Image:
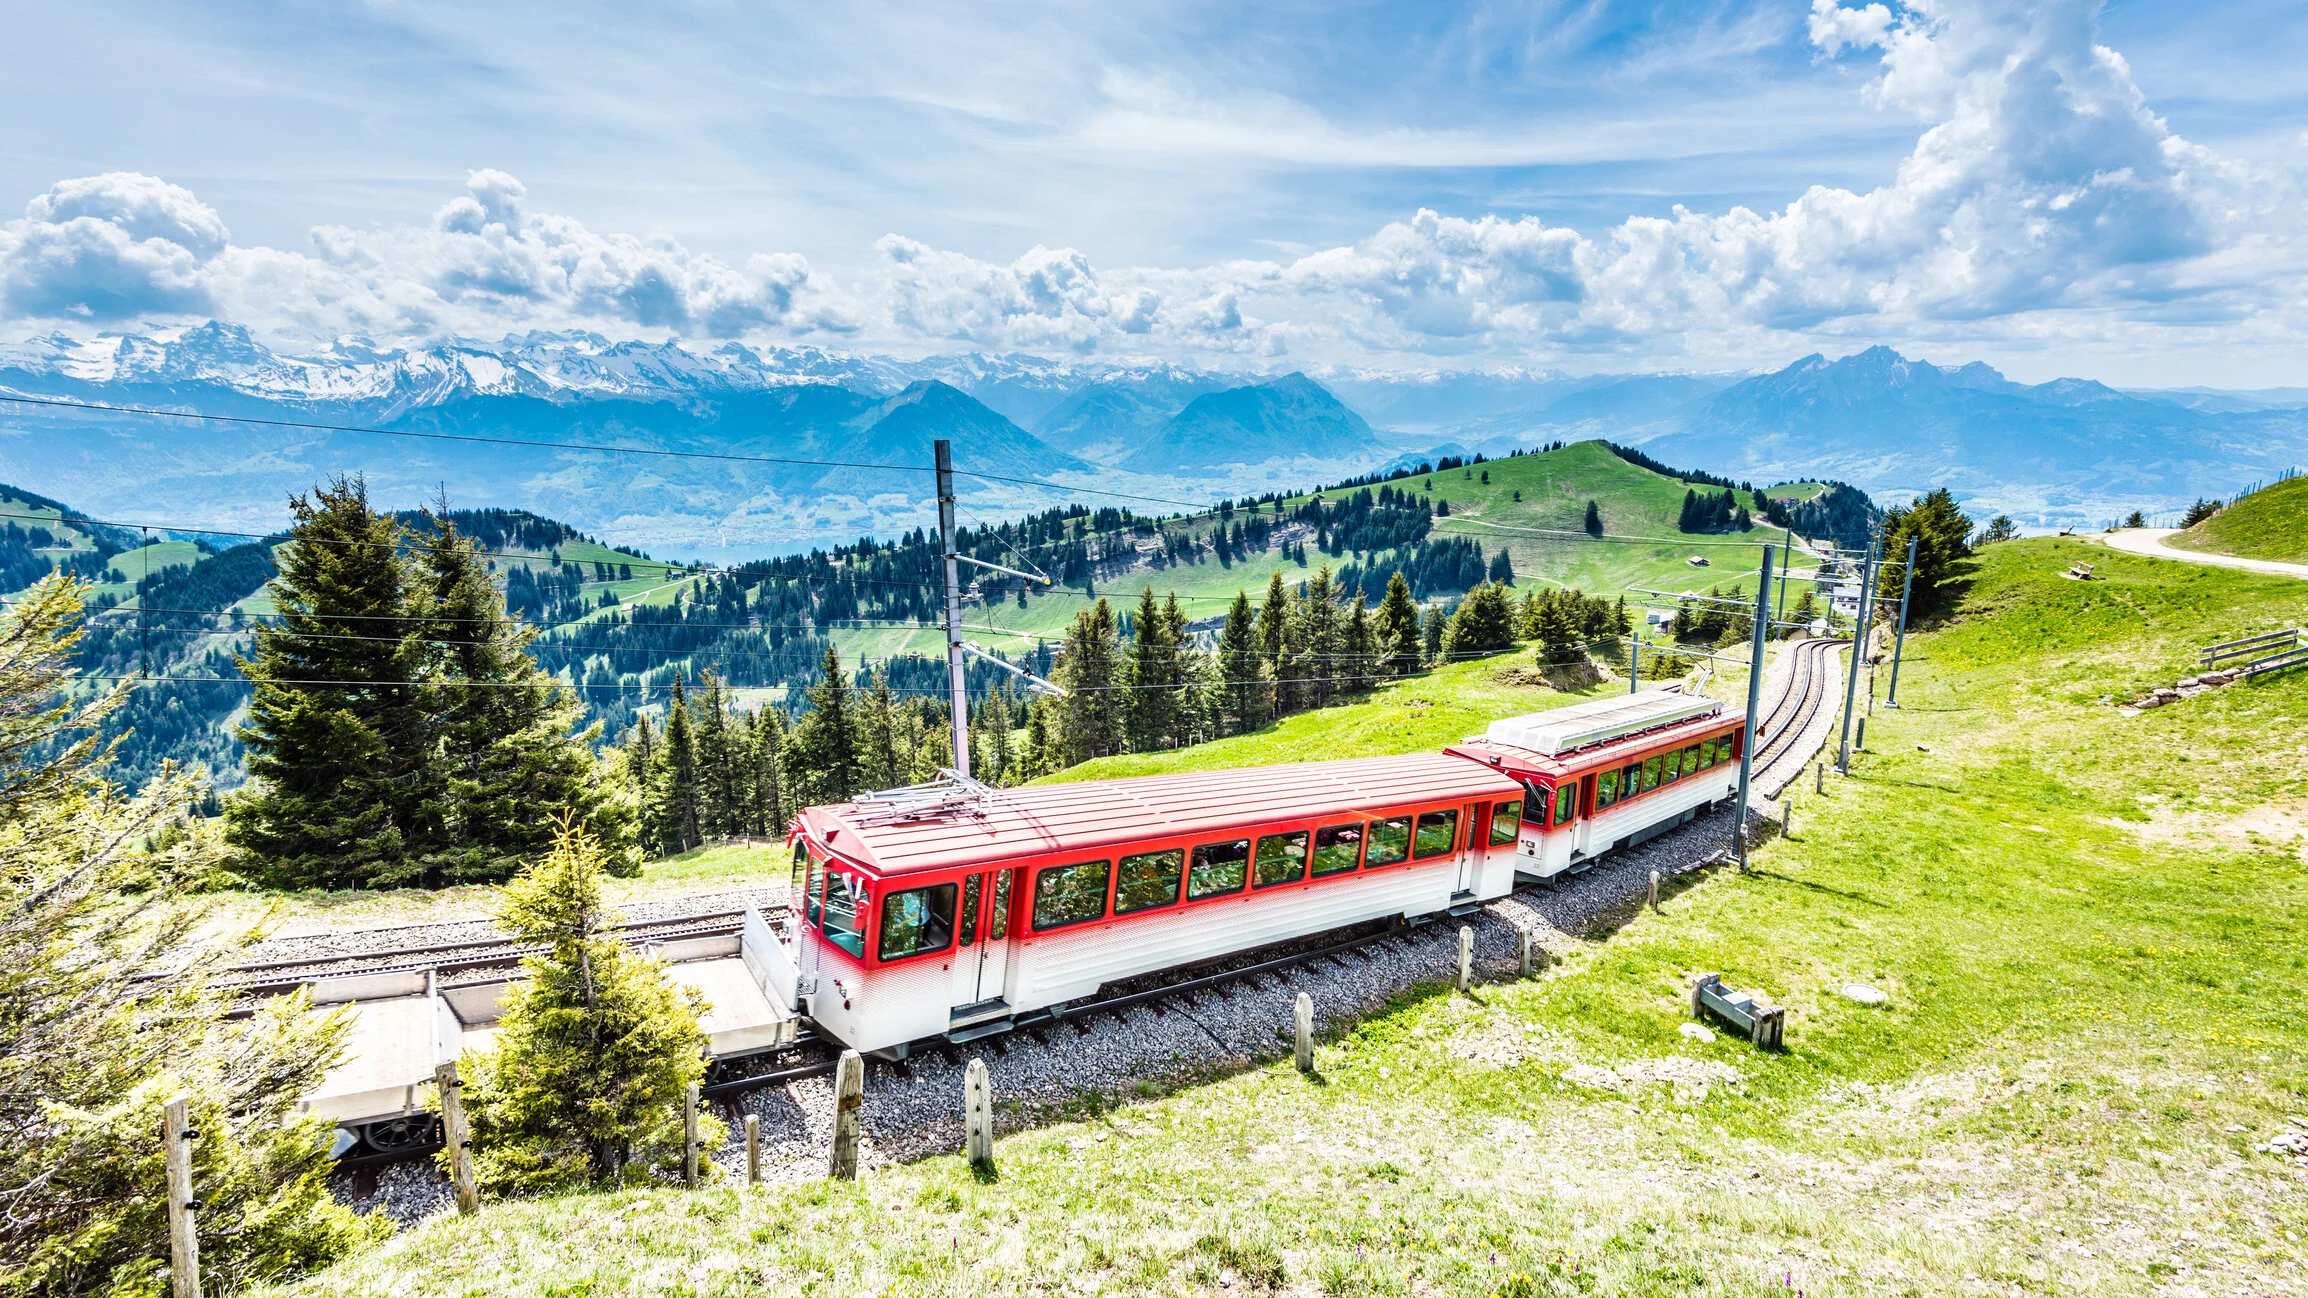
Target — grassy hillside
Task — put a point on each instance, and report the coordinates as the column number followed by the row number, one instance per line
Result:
column 2089, row 927
column 2271, row 523
column 1541, row 531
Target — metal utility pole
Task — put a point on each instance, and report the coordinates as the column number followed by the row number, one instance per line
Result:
column 1754, row 703
column 1906, row 587
column 1634, row 663
column 957, row 680
column 1786, row 561
column 1858, row 651
column 957, row 687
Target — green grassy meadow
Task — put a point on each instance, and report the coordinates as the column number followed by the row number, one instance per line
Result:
column 1541, row 531
column 2089, row 927
column 2271, row 523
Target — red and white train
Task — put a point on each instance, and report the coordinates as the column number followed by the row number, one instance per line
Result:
column 945, row 919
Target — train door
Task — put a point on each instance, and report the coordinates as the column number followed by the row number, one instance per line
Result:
column 994, row 951
column 1476, row 818
column 1583, row 820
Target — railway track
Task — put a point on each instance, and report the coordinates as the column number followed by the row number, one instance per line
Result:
column 274, row 977
column 1807, row 688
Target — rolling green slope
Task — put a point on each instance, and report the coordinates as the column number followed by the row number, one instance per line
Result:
column 1541, row 532
column 2271, row 523
column 2087, row 927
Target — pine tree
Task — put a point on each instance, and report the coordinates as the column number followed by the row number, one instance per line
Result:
column 584, row 1082
column 822, row 756
column 1484, row 623
column 1693, row 516
column 879, row 764
column 338, row 772
column 678, row 828
column 1398, row 631
column 1242, row 670
column 720, row 792
column 1316, row 658
column 766, row 758
column 1432, row 635
column 96, row 892
column 1089, row 717
column 1943, row 535
column 508, row 750
column 1151, row 701
column 1359, row 640
column 1557, row 634
column 1594, row 523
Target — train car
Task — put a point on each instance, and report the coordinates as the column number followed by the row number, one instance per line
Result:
column 1610, row 773
column 964, row 915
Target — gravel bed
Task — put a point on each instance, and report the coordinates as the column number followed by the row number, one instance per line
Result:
column 364, row 945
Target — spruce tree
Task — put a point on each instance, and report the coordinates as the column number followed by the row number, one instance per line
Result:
column 822, row 756
column 721, row 792
column 1090, row 715
column 1151, row 703
column 1484, row 623
column 772, row 807
column 678, row 827
column 338, row 760
column 880, row 765
column 1398, row 632
column 583, row 1084
column 509, row 753
column 1242, row 670
column 1432, row 636
column 1594, row 521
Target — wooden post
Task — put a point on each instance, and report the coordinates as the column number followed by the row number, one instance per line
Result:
column 458, row 1137
column 1304, row 1015
column 1819, row 776
column 1654, row 891
column 1466, row 957
column 848, row 1102
column 689, row 1150
column 1787, row 818
column 753, row 1149
column 1770, row 1026
column 978, row 1102
column 1698, row 981
column 183, row 1227
column 1526, row 946
column 1861, row 744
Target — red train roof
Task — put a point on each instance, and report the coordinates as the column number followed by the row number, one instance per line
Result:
column 1094, row 816
column 1526, row 763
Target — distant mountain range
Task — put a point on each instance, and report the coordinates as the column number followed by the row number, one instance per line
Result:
column 2070, row 451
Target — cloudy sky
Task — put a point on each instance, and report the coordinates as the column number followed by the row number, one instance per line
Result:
column 2061, row 188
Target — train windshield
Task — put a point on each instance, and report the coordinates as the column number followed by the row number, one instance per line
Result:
column 842, row 927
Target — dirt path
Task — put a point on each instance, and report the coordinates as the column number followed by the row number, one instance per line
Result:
column 2150, row 541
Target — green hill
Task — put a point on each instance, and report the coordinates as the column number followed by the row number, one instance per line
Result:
column 2087, row 924
column 2271, row 523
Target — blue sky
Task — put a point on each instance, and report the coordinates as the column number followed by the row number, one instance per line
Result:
column 2058, row 189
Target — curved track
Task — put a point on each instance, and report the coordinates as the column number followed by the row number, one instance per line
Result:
column 452, row 958
column 1805, row 692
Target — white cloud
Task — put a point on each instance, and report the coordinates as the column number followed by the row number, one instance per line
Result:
column 2042, row 199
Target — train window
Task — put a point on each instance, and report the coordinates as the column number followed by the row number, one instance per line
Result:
column 1281, row 859
column 814, row 886
column 1630, row 780
column 841, row 917
column 1069, row 894
column 1337, row 849
column 804, row 895
column 917, row 921
column 1438, row 832
column 998, row 926
column 1566, row 802
column 1506, row 821
column 1389, row 842
column 1147, row 880
column 1219, row 868
column 1707, row 752
column 1606, row 789
column 970, row 890
column 1691, row 760
column 1650, row 774
column 1670, row 767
